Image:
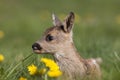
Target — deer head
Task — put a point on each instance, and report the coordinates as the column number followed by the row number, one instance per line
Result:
column 56, row 39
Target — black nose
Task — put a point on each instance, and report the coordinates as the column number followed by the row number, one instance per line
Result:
column 36, row 46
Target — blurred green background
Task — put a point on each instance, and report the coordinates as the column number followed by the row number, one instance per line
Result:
column 96, row 30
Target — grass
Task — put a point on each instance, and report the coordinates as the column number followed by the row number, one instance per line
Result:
column 96, row 33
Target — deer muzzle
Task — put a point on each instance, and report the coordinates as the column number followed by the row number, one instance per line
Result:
column 36, row 48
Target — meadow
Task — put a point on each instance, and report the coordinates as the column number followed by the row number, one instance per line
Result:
column 96, row 33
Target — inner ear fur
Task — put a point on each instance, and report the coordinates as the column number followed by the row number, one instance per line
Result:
column 68, row 22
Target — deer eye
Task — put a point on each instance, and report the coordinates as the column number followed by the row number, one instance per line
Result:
column 49, row 37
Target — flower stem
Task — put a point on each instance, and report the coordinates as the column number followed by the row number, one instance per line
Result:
column 46, row 77
column 12, row 70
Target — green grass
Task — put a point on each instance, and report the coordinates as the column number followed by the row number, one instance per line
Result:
column 96, row 34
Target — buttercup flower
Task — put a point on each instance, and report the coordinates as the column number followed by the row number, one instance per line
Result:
column 54, row 70
column 32, row 69
column 1, row 57
column 53, row 73
column 22, row 78
column 1, row 34
column 50, row 64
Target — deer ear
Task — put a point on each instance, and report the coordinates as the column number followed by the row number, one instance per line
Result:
column 68, row 22
column 56, row 21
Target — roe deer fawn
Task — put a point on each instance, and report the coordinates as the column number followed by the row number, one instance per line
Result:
column 57, row 41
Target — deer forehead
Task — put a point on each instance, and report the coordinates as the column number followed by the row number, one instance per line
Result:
column 51, row 30
column 56, row 31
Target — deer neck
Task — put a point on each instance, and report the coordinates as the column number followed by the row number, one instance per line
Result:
column 70, row 61
column 69, row 52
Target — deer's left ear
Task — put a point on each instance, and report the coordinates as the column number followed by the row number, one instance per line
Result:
column 56, row 20
column 69, row 22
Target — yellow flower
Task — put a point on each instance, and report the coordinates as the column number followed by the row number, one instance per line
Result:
column 1, row 57
column 22, row 78
column 54, row 70
column 50, row 64
column 53, row 73
column 1, row 34
column 32, row 69
column 42, row 71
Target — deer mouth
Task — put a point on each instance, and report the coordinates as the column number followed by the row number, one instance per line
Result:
column 37, row 51
column 37, row 48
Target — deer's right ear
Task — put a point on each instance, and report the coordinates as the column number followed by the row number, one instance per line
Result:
column 68, row 23
column 56, row 21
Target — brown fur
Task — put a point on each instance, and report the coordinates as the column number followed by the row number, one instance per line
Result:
column 65, row 54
